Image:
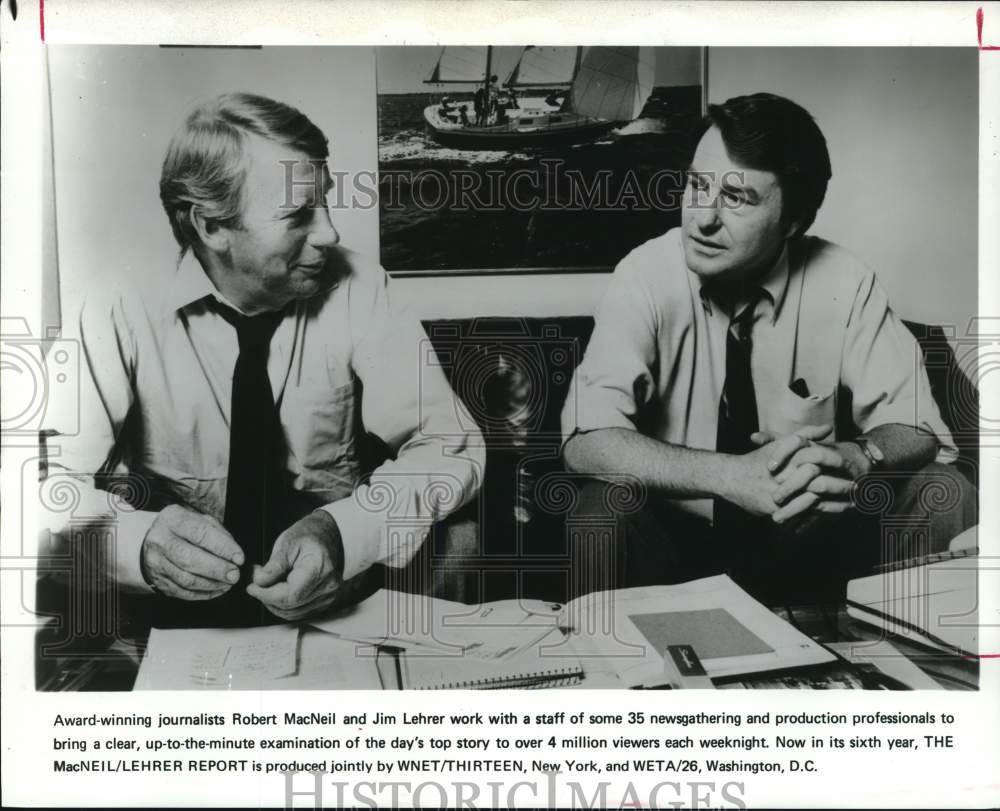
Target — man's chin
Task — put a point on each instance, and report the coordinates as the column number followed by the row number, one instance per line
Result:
column 705, row 267
column 312, row 284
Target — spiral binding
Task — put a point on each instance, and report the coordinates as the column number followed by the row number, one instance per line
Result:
column 563, row 677
column 924, row 560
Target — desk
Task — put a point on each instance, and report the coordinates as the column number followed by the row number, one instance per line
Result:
column 110, row 664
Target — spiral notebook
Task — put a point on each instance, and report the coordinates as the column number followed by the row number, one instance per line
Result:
column 415, row 670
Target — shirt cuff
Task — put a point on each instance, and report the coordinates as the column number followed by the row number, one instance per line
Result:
column 132, row 527
column 361, row 540
column 905, row 413
column 613, row 419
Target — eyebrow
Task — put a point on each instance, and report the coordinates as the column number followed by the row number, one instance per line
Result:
column 752, row 195
column 285, row 212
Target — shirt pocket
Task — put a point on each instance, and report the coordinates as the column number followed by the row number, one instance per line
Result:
column 791, row 412
column 323, row 428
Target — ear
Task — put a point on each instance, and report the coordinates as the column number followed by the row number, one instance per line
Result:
column 213, row 236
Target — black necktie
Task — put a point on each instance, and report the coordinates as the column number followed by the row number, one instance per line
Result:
column 738, row 419
column 256, row 488
column 738, row 404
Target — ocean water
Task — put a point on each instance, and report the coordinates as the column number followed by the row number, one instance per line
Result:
column 580, row 206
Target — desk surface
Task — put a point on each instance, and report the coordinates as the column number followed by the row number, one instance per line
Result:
column 106, row 664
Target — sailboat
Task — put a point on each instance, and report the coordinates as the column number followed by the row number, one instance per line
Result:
column 592, row 90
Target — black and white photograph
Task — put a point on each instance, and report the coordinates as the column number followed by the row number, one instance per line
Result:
column 474, row 366
column 748, row 401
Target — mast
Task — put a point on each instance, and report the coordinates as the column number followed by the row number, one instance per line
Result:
column 489, row 67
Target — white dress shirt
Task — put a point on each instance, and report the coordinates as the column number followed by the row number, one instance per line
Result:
column 656, row 361
column 155, row 392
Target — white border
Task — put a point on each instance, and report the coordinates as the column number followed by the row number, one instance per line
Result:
column 970, row 779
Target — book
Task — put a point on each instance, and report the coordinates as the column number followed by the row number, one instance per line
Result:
column 624, row 637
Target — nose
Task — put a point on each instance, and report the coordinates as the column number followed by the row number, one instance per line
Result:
column 705, row 212
column 323, row 234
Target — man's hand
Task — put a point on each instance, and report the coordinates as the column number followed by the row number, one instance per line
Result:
column 752, row 485
column 305, row 569
column 188, row 555
column 814, row 477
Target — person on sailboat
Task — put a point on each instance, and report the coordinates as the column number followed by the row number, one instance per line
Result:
column 480, row 102
column 745, row 382
column 493, row 99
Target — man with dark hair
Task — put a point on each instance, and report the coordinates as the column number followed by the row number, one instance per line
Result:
column 234, row 394
column 743, row 377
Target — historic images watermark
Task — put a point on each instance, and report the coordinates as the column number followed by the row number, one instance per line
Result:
column 550, row 792
column 550, row 186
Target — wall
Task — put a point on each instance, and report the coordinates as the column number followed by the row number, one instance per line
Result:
column 902, row 128
column 901, row 125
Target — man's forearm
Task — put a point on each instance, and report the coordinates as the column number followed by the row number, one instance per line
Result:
column 678, row 471
column 903, row 446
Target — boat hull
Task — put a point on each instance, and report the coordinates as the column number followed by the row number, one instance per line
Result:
column 549, row 129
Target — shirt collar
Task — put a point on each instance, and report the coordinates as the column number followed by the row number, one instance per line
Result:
column 774, row 283
column 191, row 284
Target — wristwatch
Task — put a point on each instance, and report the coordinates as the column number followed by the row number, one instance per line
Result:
column 871, row 451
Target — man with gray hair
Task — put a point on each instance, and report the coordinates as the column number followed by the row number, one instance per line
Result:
column 236, row 395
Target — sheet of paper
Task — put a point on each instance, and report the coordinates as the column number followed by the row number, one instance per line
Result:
column 492, row 631
column 326, row 662
column 218, row 659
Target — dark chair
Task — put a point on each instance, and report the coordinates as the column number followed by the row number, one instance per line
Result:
column 513, row 375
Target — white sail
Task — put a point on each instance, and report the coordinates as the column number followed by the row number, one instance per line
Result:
column 644, row 71
column 459, row 64
column 543, row 66
column 612, row 84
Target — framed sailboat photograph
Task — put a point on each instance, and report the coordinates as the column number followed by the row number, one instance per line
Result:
column 531, row 159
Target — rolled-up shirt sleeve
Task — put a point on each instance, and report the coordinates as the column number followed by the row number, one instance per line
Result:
column 439, row 456
column 884, row 369
column 83, row 432
column 614, row 381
